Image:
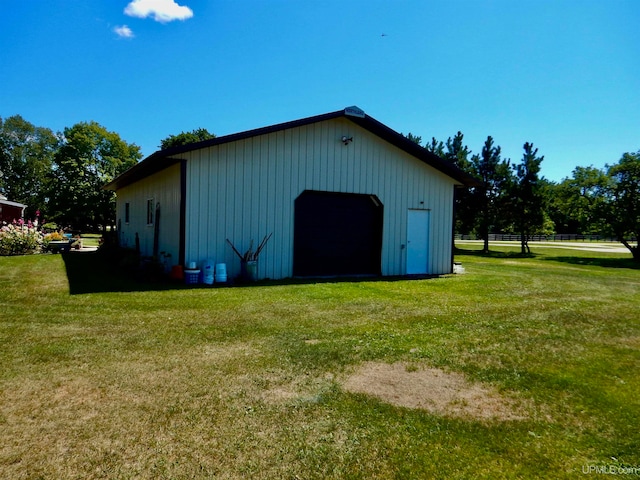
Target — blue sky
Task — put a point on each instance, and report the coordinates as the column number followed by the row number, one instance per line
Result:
column 563, row 74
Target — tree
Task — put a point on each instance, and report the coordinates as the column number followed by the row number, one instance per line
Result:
column 574, row 203
column 414, row 138
column 458, row 153
column 527, row 196
column 90, row 157
column 185, row 138
column 489, row 198
column 26, row 154
column 622, row 207
column 436, row 147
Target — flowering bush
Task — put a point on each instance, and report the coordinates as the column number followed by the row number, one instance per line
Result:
column 20, row 238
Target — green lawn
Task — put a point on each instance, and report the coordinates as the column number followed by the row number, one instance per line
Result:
column 105, row 377
column 91, row 239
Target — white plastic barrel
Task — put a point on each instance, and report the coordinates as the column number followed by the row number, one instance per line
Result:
column 221, row 272
column 208, row 272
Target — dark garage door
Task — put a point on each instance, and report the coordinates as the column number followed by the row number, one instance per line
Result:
column 337, row 234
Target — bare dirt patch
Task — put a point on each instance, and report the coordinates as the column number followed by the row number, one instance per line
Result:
column 432, row 389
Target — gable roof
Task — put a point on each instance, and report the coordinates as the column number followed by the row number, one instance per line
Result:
column 164, row 158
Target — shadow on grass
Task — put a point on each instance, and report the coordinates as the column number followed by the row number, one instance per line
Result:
column 493, row 254
column 93, row 272
column 96, row 272
column 608, row 262
column 598, row 262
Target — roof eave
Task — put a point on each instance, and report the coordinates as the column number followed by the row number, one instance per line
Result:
column 150, row 165
column 409, row 146
column 142, row 169
column 13, row 204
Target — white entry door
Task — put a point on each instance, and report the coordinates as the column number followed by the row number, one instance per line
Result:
column 417, row 242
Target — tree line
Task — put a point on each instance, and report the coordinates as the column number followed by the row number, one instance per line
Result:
column 59, row 176
column 513, row 198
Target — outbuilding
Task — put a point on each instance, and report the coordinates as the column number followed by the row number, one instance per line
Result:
column 341, row 194
column 10, row 211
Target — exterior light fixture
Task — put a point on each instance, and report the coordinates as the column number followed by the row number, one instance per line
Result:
column 346, row 140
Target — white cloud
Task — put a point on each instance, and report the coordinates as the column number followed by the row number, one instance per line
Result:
column 162, row 11
column 123, row 31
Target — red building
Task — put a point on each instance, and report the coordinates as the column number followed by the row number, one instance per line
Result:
column 10, row 211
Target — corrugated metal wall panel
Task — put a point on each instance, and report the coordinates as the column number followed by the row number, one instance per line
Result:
column 246, row 189
column 164, row 188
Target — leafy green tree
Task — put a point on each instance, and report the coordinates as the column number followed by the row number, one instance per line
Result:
column 26, row 154
column 622, row 208
column 90, row 157
column 574, row 204
column 185, row 138
column 559, row 207
column 527, row 196
column 490, row 199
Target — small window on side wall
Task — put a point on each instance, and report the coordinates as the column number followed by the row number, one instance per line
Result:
column 127, row 210
column 150, row 211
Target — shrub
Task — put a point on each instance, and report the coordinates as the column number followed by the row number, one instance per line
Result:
column 50, row 227
column 20, row 238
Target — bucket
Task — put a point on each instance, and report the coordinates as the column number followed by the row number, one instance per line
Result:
column 176, row 272
column 191, row 277
column 221, row 272
column 250, row 271
column 207, row 272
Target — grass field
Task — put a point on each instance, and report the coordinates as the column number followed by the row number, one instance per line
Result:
column 104, row 377
column 91, row 239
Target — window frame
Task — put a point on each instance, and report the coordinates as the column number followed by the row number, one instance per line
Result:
column 150, row 211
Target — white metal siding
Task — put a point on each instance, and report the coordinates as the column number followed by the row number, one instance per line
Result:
column 246, row 189
column 164, row 188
